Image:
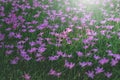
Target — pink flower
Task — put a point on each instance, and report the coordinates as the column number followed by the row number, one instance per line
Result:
column 113, row 62
column 41, row 49
column 109, row 27
column 68, row 9
column 37, row 15
column 8, row 52
column 116, row 56
column 42, row 26
column 83, row 64
column 99, row 70
column 26, row 76
column 108, row 74
column 2, row 36
column 53, row 58
column 68, row 30
column 90, row 74
column 96, row 57
column 14, row 26
column 54, row 73
column 85, row 47
column 103, row 61
column 75, row 18
column 59, row 53
column 15, row 60
column 32, row 43
column 69, row 65
column 79, row 53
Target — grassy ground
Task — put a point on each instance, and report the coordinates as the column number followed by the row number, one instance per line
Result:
column 39, row 70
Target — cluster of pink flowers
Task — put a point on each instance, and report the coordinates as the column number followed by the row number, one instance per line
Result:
column 28, row 35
